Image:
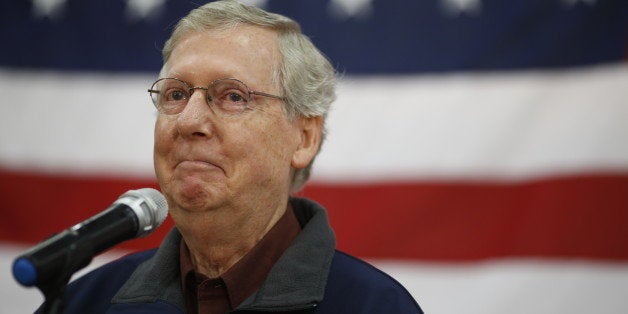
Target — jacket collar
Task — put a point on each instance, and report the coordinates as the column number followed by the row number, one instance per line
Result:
column 296, row 281
column 156, row 278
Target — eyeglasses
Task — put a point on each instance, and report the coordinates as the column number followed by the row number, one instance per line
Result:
column 227, row 96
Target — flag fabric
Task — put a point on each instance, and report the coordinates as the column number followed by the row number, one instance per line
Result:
column 477, row 152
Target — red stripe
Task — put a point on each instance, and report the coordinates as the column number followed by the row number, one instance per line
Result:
column 35, row 205
column 577, row 216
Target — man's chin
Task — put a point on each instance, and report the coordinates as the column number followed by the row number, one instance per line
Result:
column 195, row 199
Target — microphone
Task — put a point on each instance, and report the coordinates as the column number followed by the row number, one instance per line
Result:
column 135, row 213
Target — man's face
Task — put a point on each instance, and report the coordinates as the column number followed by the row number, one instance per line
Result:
column 204, row 161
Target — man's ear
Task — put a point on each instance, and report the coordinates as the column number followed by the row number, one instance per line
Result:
column 311, row 135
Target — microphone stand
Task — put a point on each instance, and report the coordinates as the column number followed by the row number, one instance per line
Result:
column 75, row 258
column 53, row 293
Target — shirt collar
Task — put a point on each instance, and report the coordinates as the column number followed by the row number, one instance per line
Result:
column 247, row 275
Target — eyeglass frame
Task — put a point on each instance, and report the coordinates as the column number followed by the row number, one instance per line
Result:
column 191, row 89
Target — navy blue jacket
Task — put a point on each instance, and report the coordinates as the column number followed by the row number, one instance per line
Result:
column 310, row 277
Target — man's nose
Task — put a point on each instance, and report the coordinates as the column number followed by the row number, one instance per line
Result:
column 196, row 118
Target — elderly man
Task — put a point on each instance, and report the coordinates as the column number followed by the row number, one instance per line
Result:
column 241, row 102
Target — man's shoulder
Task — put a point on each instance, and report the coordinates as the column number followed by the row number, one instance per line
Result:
column 95, row 289
column 353, row 266
column 121, row 267
column 362, row 288
column 348, row 269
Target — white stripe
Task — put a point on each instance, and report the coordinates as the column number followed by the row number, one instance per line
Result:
column 515, row 286
column 467, row 126
column 76, row 123
column 498, row 286
column 509, row 125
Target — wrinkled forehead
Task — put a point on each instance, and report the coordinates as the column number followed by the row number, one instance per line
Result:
column 236, row 50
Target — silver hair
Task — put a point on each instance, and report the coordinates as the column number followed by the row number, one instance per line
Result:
column 306, row 77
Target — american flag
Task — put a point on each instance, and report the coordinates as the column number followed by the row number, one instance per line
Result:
column 478, row 150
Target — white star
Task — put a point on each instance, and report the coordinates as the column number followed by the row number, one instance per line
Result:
column 458, row 7
column 143, row 9
column 48, row 8
column 344, row 9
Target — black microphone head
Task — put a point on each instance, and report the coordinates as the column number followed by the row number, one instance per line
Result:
column 149, row 205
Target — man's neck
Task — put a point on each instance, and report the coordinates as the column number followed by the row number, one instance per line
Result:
column 217, row 239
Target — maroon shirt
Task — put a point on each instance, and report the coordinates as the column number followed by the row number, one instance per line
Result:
column 225, row 293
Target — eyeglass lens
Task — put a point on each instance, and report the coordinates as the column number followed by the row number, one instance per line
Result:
column 226, row 96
